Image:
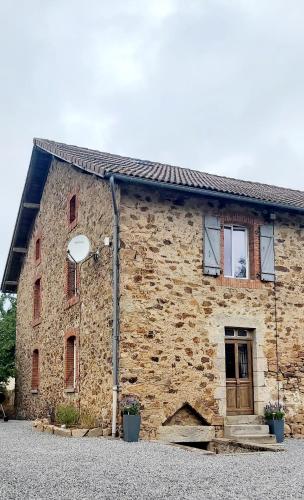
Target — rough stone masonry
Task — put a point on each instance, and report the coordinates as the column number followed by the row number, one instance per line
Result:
column 172, row 316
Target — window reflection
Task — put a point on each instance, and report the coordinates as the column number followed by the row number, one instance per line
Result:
column 235, row 251
column 243, row 360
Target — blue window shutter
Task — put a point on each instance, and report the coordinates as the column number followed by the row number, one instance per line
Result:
column 267, row 252
column 212, row 246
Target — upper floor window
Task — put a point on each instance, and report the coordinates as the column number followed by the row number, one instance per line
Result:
column 38, row 250
column 35, row 370
column 37, row 299
column 73, row 209
column 72, row 277
column 236, row 258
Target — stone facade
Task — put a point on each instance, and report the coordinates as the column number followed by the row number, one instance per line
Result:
column 58, row 316
column 172, row 316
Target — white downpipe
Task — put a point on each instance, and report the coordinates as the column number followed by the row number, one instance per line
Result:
column 114, row 410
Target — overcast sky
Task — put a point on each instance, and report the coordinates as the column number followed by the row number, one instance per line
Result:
column 214, row 85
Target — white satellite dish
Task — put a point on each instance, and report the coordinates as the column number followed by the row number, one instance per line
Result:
column 79, row 248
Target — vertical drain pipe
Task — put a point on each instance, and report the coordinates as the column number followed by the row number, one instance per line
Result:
column 115, row 330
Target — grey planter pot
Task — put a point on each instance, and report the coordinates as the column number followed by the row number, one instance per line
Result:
column 276, row 427
column 131, row 428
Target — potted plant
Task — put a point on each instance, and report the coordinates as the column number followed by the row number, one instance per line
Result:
column 274, row 417
column 131, row 418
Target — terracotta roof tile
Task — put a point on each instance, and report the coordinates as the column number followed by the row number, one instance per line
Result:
column 105, row 163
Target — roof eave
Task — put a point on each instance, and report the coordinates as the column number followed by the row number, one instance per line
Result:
column 28, row 208
column 204, row 192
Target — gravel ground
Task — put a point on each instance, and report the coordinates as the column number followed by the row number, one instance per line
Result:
column 39, row 465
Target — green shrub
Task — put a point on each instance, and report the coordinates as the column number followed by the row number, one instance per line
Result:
column 67, row 414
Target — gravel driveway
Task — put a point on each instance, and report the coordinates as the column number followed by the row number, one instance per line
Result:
column 39, row 465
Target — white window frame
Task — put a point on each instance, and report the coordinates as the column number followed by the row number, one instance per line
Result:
column 231, row 226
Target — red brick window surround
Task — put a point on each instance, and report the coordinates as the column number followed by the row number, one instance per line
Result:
column 251, row 225
column 37, row 302
column 35, row 370
column 71, row 361
column 72, row 282
column 73, row 204
column 38, row 250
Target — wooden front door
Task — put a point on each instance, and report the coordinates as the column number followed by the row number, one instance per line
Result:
column 239, row 386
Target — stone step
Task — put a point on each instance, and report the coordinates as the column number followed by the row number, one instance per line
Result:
column 261, row 438
column 244, row 419
column 245, row 429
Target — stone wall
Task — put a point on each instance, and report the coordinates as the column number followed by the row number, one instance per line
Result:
column 173, row 317
column 93, row 323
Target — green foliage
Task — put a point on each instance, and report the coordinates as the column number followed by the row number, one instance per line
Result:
column 130, row 406
column 274, row 411
column 7, row 336
column 67, row 414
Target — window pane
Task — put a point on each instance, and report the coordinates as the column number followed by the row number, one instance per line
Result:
column 243, row 360
column 229, row 332
column 230, row 360
column 240, row 252
column 227, row 251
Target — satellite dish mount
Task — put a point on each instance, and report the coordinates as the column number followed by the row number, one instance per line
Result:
column 79, row 249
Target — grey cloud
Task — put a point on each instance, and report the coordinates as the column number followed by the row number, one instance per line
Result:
column 215, row 85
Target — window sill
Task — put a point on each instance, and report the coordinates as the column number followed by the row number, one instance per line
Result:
column 34, row 391
column 239, row 282
column 36, row 321
column 70, row 390
column 72, row 301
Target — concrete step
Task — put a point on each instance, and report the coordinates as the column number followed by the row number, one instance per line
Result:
column 261, row 438
column 245, row 429
column 244, row 419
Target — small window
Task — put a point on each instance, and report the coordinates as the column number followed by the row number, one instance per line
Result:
column 38, row 249
column 37, row 299
column 70, row 363
column 229, row 332
column 236, row 261
column 72, row 209
column 236, row 332
column 72, row 272
column 35, row 370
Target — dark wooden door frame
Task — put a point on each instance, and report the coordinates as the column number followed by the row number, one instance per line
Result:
column 239, row 383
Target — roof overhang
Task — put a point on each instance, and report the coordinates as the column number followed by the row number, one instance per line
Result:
column 29, row 206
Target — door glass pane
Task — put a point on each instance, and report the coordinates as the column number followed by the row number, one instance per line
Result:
column 230, row 360
column 227, row 251
column 243, row 360
column 240, row 252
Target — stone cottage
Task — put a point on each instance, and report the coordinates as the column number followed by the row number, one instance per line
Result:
column 194, row 304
